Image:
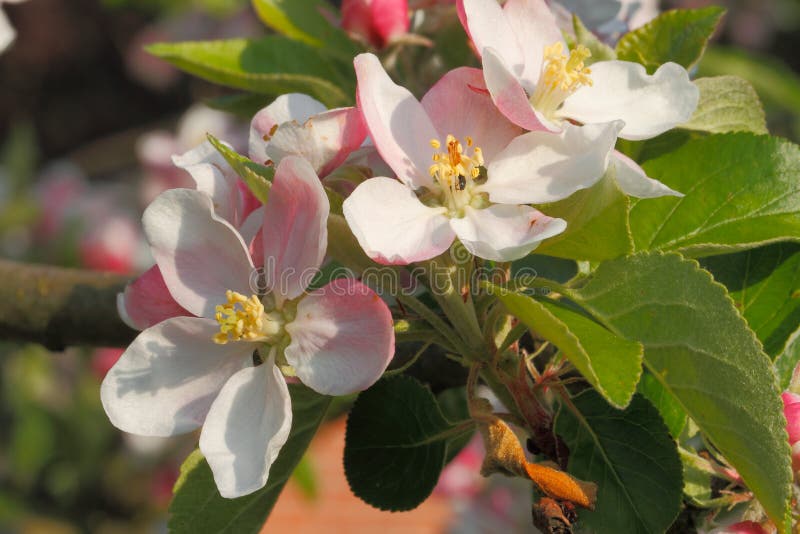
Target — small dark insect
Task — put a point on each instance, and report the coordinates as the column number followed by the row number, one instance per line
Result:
column 462, row 182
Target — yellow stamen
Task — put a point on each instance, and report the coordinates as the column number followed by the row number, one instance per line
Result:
column 455, row 169
column 561, row 76
column 241, row 318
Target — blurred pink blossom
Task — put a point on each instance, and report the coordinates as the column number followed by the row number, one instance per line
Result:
column 375, row 21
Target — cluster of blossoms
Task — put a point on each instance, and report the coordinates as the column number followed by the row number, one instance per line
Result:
column 227, row 313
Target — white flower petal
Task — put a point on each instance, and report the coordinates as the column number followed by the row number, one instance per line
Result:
column 215, row 177
column 648, row 104
column 7, row 31
column 542, row 167
column 200, row 255
column 504, row 232
column 397, row 123
column 245, row 429
column 393, row 226
column 535, row 28
column 489, row 27
column 633, row 181
column 289, row 107
column 166, row 380
column 342, row 338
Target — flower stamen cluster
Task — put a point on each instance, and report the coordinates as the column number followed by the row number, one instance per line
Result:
column 243, row 318
column 561, row 76
column 456, row 171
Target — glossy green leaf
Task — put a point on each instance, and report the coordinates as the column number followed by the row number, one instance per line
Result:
column 788, row 359
column 272, row 65
column 680, row 36
column 396, row 444
column 257, row 177
column 740, row 192
column 597, row 226
column 631, row 457
column 197, row 506
column 701, row 350
column 610, row 363
column 727, row 104
column 307, row 21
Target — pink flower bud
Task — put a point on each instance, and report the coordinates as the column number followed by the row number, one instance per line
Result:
column 791, row 409
column 376, row 21
column 743, row 527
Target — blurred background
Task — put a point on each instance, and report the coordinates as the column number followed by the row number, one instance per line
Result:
column 88, row 123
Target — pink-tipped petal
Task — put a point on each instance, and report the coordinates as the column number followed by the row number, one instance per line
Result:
column 633, row 181
column 540, row 167
column 459, row 104
column 393, row 226
column 295, row 232
column 166, row 380
column 489, row 27
column 397, row 123
column 289, row 107
column 342, row 338
column 509, row 95
column 200, row 255
column 535, row 27
column 246, row 428
column 325, row 140
column 146, row 301
column 504, row 232
column 648, row 104
column 389, row 19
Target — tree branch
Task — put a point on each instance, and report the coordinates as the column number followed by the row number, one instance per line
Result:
column 60, row 307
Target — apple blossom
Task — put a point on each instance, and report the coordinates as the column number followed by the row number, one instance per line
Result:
column 189, row 371
column 791, row 409
column 539, row 84
column 376, row 21
column 462, row 170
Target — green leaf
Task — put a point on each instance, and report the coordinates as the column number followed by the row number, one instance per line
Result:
column 396, row 443
column 701, row 350
column 727, row 104
column 598, row 224
column 668, row 406
column 271, row 65
column 741, row 192
column 197, row 506
column 307, row 21
column 632, row 458
column 788, row 359
column 583, row 36
column 257, row 177
column 680, row 36
column 611, row 364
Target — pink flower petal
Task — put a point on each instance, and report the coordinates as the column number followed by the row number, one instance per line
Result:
column 295, row 232
column 147, row 301
column 342, row 338
column 459, row 104
column 791, row 409
column 289, row 107
column 390, row 19
column 200, row 255
column 398, row 124
column 324, row 140
column 246, row 428
column 393, row 226
column 165, row 381
column 504, row 232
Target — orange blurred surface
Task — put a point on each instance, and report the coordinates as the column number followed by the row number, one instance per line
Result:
column 337, row 510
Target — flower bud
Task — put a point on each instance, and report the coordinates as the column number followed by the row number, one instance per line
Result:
column 791, row 409
column 375, row 21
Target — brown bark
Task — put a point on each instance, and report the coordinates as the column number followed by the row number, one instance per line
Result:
column 60, row 307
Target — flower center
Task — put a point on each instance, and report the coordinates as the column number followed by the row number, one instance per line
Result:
column 244, row 319
column 561, row 76
column 455, row 171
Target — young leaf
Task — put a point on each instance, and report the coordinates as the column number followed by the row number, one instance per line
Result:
column 633, row 459
column 611, row 364
column 271, row 65
column 257, row 177
column 598, row 224
column 699, row 347
column 306, row 21
column 197, row 507
column 396, row 443
column 727, row 104
column 680, row 36
column 765, row 285
column 740, row 192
